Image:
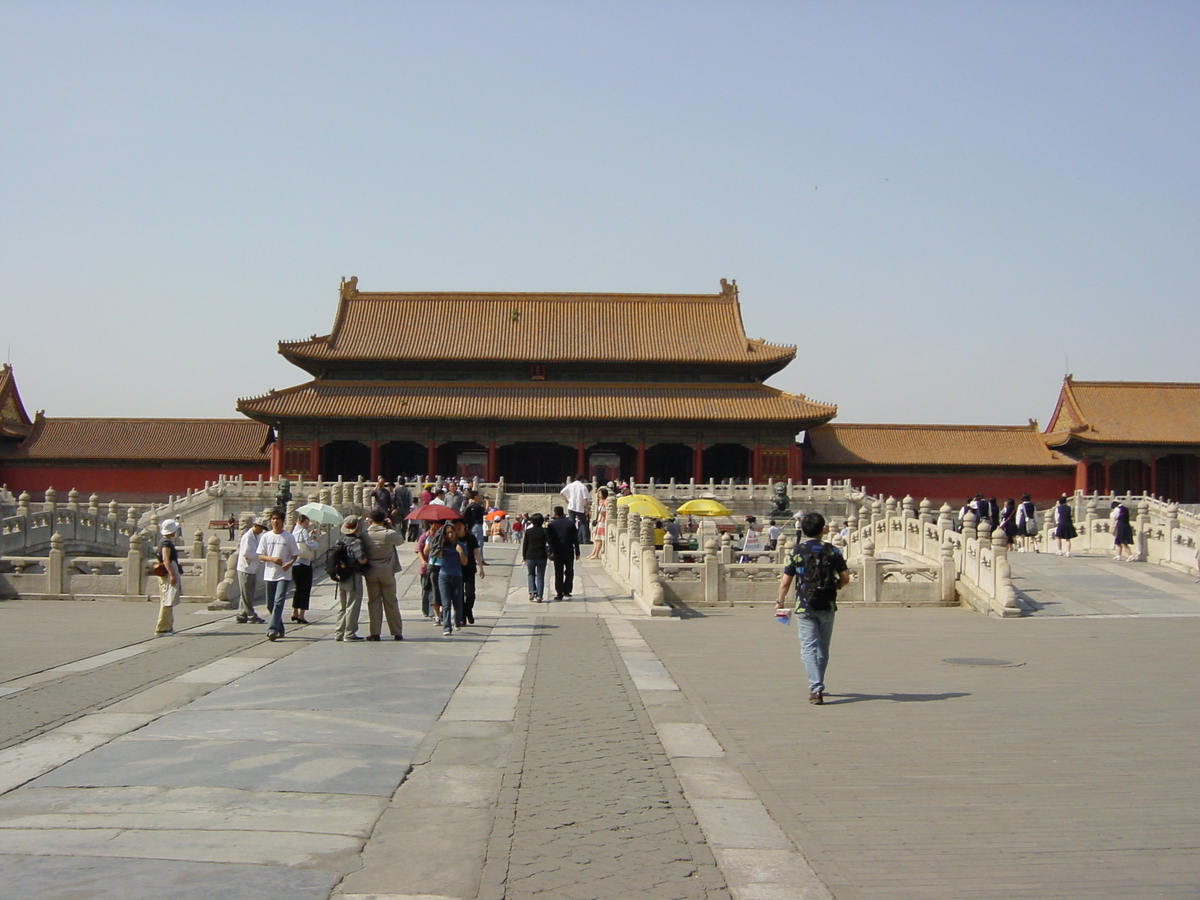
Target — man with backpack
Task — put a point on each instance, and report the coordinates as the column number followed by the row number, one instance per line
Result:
column 347, row 561
column 819, row 571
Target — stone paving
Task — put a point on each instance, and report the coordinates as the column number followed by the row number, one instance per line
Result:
column 576, row 750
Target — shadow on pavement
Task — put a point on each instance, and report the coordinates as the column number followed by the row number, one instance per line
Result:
column 833, row 699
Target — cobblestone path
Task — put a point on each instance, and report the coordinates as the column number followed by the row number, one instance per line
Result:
column 599, row 813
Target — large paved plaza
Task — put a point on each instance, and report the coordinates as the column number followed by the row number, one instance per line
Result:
column 577, row 750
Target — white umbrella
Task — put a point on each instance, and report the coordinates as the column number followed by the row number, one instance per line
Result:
column 321, row 513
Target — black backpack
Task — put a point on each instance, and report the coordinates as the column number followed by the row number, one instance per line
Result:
column 341, row 565
column 817, row 577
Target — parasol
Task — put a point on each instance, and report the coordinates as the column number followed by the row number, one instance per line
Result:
column 644, row 505
column 704, row 507
column 432, row 512
column 321, row 513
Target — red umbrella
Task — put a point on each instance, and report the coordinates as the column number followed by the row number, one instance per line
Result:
column 432, row 512
column 495, row 514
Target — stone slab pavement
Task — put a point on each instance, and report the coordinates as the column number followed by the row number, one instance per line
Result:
column 577, row 749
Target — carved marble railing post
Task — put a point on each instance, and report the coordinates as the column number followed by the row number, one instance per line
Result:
column 198, row 544
column 212, row 567
column 56, row 566
column 1142, row 532
column 114, row 511
column 876, row 513
column 726, row 549
column 714, row 584
column 949, row 573
column 134, row 566
column 945, row 520
column 784, row 550
column 94, row 505
column 870, row 572
column 925, row 512
column 73, row 501
column 908, row 507
column 968, row 526
column 131, row 517
column 1089, row 521
column 23, row 504
column 289, row 521
column 324, row 495
column 51, row 504
column 1006, row 595
column 652, row 590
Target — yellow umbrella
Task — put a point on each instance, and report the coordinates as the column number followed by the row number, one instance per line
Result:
column 704, row 507
column 644, row 505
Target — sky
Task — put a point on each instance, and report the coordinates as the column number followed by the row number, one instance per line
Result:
column 945, row 206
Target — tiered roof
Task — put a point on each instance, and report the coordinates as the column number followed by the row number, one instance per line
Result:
column 538, row 328
column 545, row 401
column 192, row 440
column 932, row 445
column 15, row 423
column 1125, row 412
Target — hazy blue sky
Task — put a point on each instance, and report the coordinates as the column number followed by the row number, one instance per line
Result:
column 945, row 205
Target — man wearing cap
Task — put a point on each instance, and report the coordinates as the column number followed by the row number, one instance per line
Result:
column 248, row 567
column 349, row 590
column 277, row 548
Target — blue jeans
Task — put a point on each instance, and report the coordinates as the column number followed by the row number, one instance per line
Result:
column 535, row 569
column 450, row 588
column 816, row 631
column 276, row 596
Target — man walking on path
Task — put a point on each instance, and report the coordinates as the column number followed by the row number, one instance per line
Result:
column 277, row 548
column 248, row 567
column 564, row 547
column 821, row 571
column 381, row 543
column 577, row 496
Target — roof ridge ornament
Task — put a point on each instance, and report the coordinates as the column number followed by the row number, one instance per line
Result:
column 349, row 287
column 729, row 289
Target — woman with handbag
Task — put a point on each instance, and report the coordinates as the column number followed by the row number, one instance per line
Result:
column 170, row 577
column 305, row 534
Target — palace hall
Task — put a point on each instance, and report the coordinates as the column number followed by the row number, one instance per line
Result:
column 535, row 388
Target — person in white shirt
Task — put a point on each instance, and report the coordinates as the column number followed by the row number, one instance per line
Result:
column 577, row 496
column 277, row 548
column 248, row 567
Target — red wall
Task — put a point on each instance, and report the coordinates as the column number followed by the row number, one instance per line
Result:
column 957, row 487
column 129, row 482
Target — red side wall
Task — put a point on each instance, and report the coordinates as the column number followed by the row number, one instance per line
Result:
column 131, row 482
column 954, row 488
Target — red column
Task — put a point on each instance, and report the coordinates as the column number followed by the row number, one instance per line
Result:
column 492, row 474
column 431, row 459
column 581, row 461
column 314, row 459
column 698, row 461
column 1081, row 475
column 756, row 462
column 276, row 459
column 640, row 469
column 796, row 463
column 1107, row 477
column 374, row 473
column 1153, row 489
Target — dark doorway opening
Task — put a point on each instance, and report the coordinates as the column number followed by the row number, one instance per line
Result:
column 348, row 460
column 667, row 461
column 528, row 462
column 402, row 458
column 723, row 462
